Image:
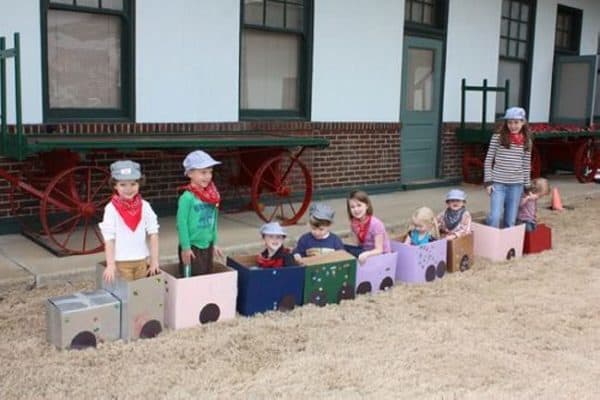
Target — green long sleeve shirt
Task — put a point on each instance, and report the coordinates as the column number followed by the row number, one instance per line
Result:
column 196, row 222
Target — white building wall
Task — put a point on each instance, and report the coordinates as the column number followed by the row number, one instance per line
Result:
column 357, row 59
column 24, row 17
column 187, row 60
column 472, row 48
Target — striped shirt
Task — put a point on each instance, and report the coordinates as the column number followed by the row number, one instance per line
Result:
column 502, row 165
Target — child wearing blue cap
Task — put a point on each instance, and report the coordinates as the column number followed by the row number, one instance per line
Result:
column 455, row 220
column 507, row 167
column 197, row 211
column 275, row 254
column 319, row 240
column 128, row 220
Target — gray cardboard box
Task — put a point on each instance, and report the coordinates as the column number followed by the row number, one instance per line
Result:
column 142, row 304
column 82, row 319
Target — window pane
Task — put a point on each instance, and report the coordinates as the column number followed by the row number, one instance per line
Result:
column 503, row 47
column 522, row 51
column 420, row 79
column 417, row 11
column 597, row 102
column 524, row 12
column 514, row 10
column 513, row 71
column 514, row 30
column 573, row 87
column 253, row 12
column 84, row 60
column 88, row 3
column 504, row 27
column 428, row 15
column 62, row 1
column 505, row 8
column 113, row 4
column 512, row 48
column 523, row 31
column 274, row 15
column 269, row 70
column 294, row 17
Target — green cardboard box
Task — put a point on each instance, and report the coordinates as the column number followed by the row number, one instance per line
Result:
column 329, row 278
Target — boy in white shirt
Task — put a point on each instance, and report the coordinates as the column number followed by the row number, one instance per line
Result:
column 128, row 220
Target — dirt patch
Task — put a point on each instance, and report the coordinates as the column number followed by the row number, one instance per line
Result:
column 527, row 328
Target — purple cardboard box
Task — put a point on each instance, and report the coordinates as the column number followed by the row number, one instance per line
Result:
column 377, row 273
column 419, row 264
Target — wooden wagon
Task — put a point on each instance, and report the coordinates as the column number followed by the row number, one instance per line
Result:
column 72, row 196
column 556, row 146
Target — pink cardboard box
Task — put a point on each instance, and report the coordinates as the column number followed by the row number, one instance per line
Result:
column 419, row 264
column 498, row 244
column 377, row 273
column 142, row 304
column 199, row 299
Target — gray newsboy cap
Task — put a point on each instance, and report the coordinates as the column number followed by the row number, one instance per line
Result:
column 125, row 170
column 515, row 113
column 197, row 160
column 321, row 211
column 272, row 228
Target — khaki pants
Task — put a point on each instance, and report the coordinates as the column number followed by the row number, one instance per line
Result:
column 132, row 270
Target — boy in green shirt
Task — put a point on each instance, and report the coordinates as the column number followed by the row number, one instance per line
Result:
column 197, row 212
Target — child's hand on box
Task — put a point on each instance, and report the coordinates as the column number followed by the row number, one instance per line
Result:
column 298, row 259
column 187, row 256
column 217, row 252
column 154, row 268
column 109, row 273
column 362, row 257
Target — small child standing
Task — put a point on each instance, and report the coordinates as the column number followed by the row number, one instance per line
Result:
column 423, row 227
column 368, row 231
column 275, row 254
column 528, row 204
column 455, row 220
column 507, row 167
column 197, row 212
column 319, row 240
column 128, row 220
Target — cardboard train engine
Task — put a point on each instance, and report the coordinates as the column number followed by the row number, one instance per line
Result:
column 143, row 308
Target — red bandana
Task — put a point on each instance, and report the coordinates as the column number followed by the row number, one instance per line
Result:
column 209, row 194
column 276, row 261
column 361, row 228
column 129, row 210
column 517, row 138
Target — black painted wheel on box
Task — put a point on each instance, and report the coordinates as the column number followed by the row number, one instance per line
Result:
column 287, row 303
column 83, row 340
column 363, row 288
column 464, row 263
column 151, row 329
column 440, row 271
column 318, row 298
column 345, row 293
column 511, row 254
column 386, row 283
column 430, row 273
column 209, row 313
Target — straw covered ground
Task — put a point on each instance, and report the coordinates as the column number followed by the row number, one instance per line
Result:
column 529, row 328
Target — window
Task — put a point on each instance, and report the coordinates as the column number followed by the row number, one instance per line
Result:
column 424, row 12
column 88, row 59
column 516, row 31
column 568, row 30
column 274, row 73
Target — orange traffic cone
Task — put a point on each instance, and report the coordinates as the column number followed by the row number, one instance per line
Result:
column 556, row 202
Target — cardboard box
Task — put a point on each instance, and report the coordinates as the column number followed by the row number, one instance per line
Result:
column 329, row 278
column 265, row 289
column 538, row 240
column 142, row 304
column 419, row 264
column 498, row 244
column 199, row 299
column 377, row 273
column 82, row 319
column 460, row 253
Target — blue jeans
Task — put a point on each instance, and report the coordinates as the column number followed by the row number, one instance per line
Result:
column 505, row 197
column 529, row 225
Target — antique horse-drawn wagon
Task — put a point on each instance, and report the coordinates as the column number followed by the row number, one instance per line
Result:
column 556, row 146
column 72, row 194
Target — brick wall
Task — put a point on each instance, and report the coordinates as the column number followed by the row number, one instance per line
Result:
column 359, row 154
column 452, row 151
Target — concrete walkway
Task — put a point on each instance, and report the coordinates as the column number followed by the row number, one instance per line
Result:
column 22, row 262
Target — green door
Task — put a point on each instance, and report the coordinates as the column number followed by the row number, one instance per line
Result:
column 420, row 108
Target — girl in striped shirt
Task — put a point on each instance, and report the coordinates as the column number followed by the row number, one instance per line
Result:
column 507, row 167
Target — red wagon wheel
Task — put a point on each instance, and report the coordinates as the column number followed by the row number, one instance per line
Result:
column 72, row 206
column 281, row 189
column 584, row 162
